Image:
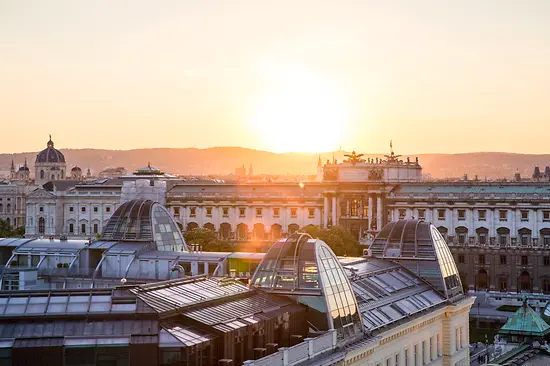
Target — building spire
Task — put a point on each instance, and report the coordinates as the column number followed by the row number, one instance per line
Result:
column 319, row 163
column 12, row 167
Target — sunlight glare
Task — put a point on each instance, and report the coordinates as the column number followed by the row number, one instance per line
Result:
column 299, row 112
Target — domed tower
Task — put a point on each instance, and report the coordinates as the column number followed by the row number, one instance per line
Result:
column 23, row 173
column 50, row 164
column 76, row 173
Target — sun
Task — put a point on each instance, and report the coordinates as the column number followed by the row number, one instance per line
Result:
column 298, row 112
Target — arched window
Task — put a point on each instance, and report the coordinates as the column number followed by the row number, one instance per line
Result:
column 225, row 230
column 41, row 225
column 482, row 279
column 258, row 231
column 8, row 208
column 525, row 281
column 210, row 226
column 62, row 174
column 242, row 231
column 192, row 225
column 292, row 228
column 276, row 231
column 41, row 174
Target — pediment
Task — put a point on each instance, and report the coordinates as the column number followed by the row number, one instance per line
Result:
column 40, row 193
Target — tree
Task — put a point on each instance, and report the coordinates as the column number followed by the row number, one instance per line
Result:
column 340, row 240
column 7, row 231
column 208, row 240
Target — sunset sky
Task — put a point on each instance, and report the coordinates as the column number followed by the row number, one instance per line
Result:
column 434, row 76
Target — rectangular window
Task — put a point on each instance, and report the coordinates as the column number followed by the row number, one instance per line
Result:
column 421, row 213
column 192, row 212
column 524, row 215
column 388, row 362
column 83, row 208
column 462, row 214
column 402, row 213
column 461, row 337
column 423, row 352
column 461, row 259
column 524, row 260
column 503, row 260
column 482, row 259
column 546, row 260
column 525, row 240
column 441, row 214
column 242, row 212
column 482, row 239
column 96, row 228
column 438, row 346
column 293, row 212
column 546, row 241
column 41, row 209
column 276, row 212
column 96, row 209
column 415, row 355
column 209, row 212
column 545, row 215
column 311, row 213
column 225, row 211
column 83, row 228
column 71, row 208
column 176, row 211
column 502, row 239
column 431, row 348
column 397, row 359
column 71, row 228
column 107, row 209
column 406, row 354
column 461, row 238
column 503, row 215
column 481, row 214
column 258, row 212
column 457, row 339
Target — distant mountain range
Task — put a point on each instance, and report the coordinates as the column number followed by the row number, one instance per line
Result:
column 224, row 160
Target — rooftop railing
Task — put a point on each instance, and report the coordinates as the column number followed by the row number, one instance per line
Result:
column 302, row 353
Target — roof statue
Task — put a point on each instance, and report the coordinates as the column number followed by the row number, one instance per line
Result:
column 392, row 158
column 354, row 158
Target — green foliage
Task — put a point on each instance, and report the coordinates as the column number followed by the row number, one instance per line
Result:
column 7, row 231
column 208, row 240
column 340, row 240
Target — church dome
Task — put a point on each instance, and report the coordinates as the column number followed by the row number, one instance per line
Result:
column 50, row 154
column 76, row 170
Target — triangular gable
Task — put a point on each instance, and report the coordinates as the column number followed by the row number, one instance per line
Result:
column 40, row 193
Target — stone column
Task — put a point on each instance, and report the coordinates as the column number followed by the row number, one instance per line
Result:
column 326, row 212
column 379, row 213
column 334, row 210
column 369, row 208
column 347, row 208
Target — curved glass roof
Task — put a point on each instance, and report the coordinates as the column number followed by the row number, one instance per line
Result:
column 419, row 246
column 144, row 221
column 308, row 269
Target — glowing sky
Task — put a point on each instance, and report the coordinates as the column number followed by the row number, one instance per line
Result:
column 434, row 76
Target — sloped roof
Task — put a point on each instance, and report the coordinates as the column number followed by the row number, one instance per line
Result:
column 525, row 322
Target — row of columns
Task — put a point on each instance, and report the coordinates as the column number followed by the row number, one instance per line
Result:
column 330, row 211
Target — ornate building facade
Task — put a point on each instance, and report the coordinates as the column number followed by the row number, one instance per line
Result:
column 351, row 194
column 71, row 208
column 499, row 233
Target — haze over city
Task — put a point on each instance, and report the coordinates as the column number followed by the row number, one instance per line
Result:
column 445, row 77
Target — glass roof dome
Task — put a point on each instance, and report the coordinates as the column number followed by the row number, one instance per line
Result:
column 145, row 221
column 308, row 270
column 419, row 246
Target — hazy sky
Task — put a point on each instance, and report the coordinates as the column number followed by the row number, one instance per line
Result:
column 434, row 76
